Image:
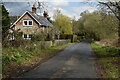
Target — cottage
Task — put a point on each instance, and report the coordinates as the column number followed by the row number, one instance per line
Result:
column 30, row 23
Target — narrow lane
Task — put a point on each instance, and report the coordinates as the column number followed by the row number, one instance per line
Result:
column 76, row 61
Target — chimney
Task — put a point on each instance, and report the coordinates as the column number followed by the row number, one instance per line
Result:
column 45, row 14
column 34, row 9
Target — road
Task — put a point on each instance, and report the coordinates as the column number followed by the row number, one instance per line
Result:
column 75, row 61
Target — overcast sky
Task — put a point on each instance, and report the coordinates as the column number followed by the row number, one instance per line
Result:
column 70, row 8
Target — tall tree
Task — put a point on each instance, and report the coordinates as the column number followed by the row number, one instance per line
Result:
column 0, row 22
column 113, row 6
column 92, row 25
column 63, row 22
column 5, row 21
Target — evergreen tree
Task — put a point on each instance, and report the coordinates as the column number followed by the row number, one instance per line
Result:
column 5, row 21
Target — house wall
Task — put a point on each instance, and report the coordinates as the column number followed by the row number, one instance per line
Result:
column 26, row 17
column 28, row 29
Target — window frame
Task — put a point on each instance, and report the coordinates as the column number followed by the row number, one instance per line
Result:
column 25, row 36
column 28, row 36
column 27, row 22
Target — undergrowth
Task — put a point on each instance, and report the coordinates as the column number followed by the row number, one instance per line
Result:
column 109, row 57
column 24, row 55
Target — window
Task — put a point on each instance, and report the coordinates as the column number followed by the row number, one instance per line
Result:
column 27, row 22
column 27, row 36
column 30, row 36
column 30, row 22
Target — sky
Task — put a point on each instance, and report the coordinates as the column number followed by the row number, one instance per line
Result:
column 71, row 8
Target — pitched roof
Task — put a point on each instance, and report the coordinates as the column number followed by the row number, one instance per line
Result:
column 40, row 19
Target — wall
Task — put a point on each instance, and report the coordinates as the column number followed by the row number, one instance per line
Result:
column 60, row 42
column 48, row 44
column 44, row 44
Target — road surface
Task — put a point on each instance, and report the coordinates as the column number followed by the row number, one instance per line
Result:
column 75, row 61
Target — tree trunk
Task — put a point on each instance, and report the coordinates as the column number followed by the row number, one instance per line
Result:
column 119, row 34
column 119, row 28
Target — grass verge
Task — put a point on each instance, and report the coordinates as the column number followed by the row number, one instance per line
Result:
column 108, row 60
column 17, row 60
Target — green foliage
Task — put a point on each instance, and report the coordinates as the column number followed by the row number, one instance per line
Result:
column 109, row 59
column 63, row 22
column 14, row 54
column 5, row 21
column 71, row 37
column 39, row 37
column 18, row 41
column 25, row 55
column 104, row 51
column 51, row 34
column 112, row 8
column 66, row 36
column 75, row 38
column 97, row 25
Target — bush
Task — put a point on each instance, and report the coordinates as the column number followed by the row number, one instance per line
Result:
column 106, row 50
column 18, row 40
column 66, row 36
column 48, row 37
column 75, row 38
column 39, row 37
column 69, row 36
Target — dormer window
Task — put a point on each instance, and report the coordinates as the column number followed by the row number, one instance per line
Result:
column 27, row 23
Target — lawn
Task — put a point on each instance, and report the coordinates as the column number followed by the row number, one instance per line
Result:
column 108, row 57
column 22, row 59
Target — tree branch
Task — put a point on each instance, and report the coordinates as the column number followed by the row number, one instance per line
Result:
column 117, row 16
